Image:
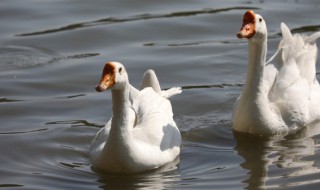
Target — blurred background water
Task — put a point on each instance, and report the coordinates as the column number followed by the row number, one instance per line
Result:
column 51, row 56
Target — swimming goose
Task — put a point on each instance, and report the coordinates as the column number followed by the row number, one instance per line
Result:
column 141, row 135
column 282, row 95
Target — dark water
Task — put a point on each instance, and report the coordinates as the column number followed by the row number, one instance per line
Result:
column 51, row 56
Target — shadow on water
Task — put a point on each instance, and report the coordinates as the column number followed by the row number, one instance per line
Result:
column 270, row 161
column 113, row 20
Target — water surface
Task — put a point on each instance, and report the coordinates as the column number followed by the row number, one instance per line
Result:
column 51, row 56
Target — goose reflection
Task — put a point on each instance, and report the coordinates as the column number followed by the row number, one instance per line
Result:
column 271, row 161
column 157, row 179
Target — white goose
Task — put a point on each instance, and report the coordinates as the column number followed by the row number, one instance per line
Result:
column 141, row 135
column 282, row 95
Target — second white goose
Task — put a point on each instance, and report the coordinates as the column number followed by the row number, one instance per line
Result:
column 283, row 94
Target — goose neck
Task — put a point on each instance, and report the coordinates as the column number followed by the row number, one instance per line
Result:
column 122, row 101
column 256, row 65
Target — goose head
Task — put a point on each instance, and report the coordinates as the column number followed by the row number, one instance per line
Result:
column 253, row 27
column 114, row 76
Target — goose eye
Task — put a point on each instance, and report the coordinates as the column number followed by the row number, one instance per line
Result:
column 260, row 19
column 120, row 70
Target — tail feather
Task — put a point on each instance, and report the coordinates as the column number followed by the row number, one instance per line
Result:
column 286, row 34
column 150, row 80
column 299, row 50
column 312, row 39
column 171, row 92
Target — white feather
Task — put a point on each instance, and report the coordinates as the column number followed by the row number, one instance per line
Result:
column 286, row 94
column 141, row 135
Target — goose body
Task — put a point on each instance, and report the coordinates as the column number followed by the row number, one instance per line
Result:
column 281, row 95
column 141, row 135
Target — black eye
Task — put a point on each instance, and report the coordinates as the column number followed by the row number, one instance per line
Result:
column 260, row 19
column 120, row 70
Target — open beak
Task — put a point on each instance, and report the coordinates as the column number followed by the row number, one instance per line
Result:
column 248, row 29
column 107, row 79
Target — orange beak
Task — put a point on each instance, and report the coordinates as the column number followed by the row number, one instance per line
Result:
column 248, row 29
column 108, row 78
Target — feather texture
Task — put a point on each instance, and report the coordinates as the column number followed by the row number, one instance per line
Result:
column 141, row 135
column 286, row 94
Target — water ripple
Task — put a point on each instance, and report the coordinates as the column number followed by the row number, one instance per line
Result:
column 192, row 43
column 7, row 100
column 223, row 85
column 14, row 57
column 10, row 185
column 23, row 132
column 146, row 16
column 75, row 123
column 313, row 28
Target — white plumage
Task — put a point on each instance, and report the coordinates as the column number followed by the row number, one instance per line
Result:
column 283, row 94
column 141, row 135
